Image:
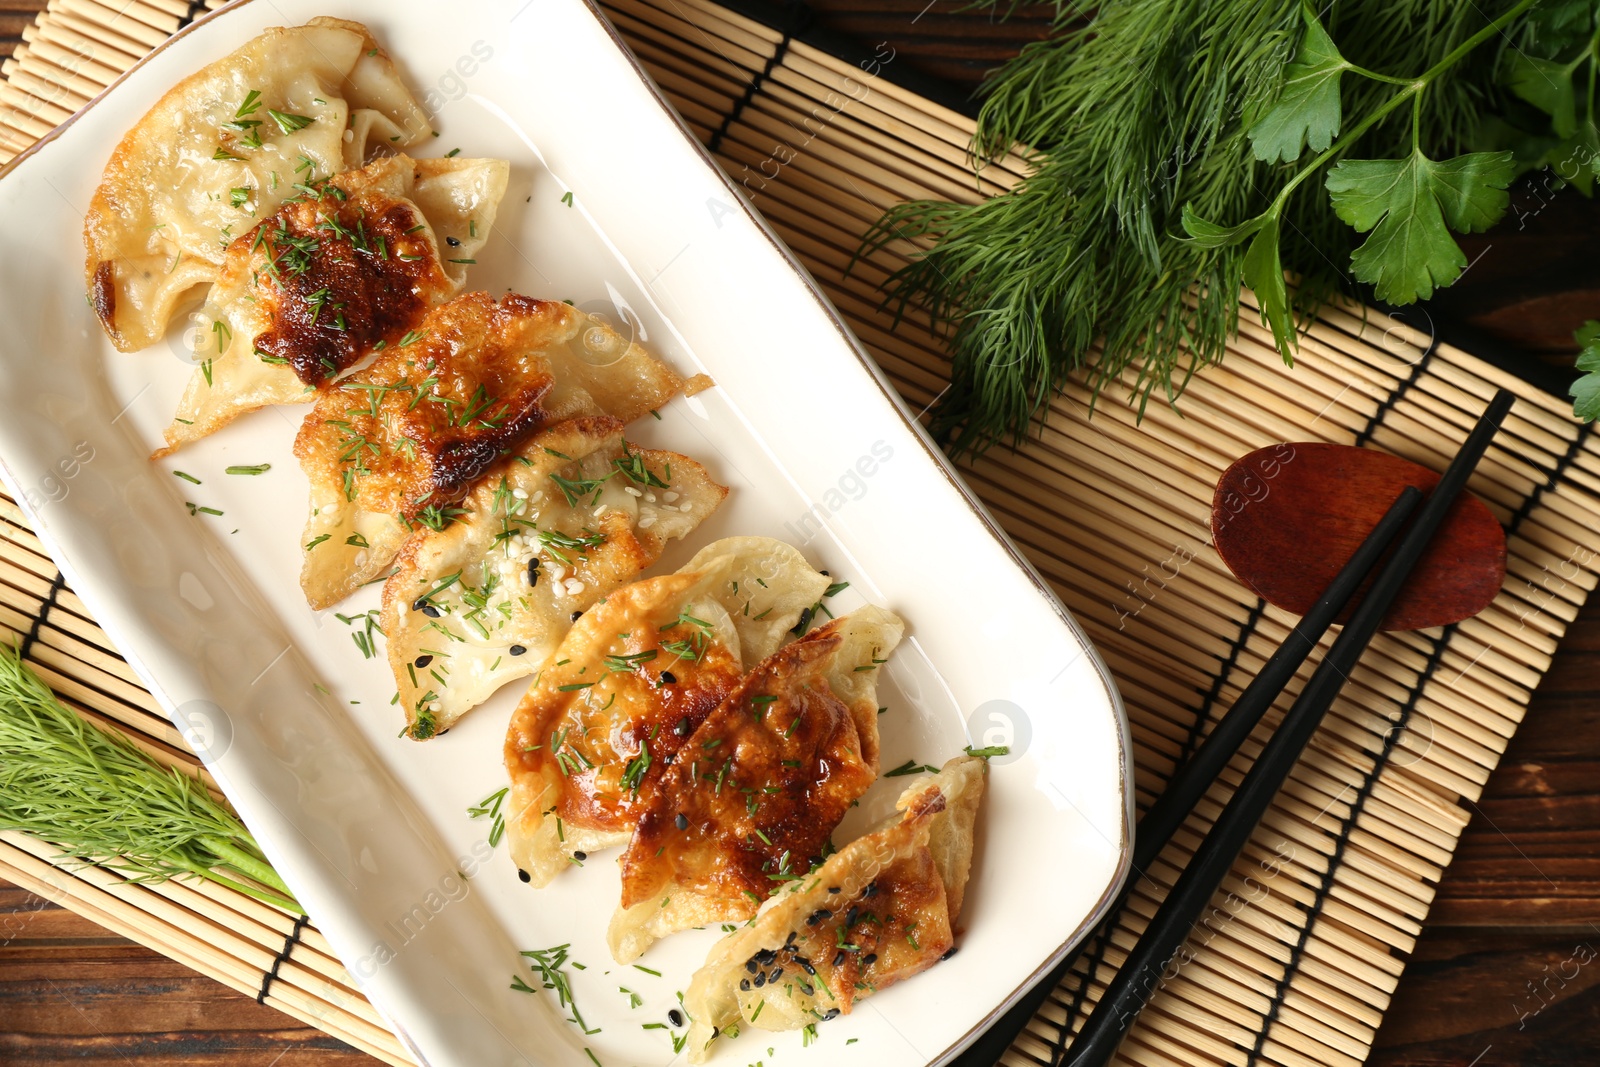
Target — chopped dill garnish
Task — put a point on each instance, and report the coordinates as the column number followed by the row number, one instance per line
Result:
column 489, row 807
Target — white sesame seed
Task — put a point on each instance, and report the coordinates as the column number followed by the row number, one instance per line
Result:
column 646, row 521
column 574, row 587
column 631, row 491
column 557, row 572
column 599, row 511
column 669, row 496
column 434, row 706
column 520, row 494
column 685, row 507
column 649, row 498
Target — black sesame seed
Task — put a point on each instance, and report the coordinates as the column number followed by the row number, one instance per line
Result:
column 668, row 759
column 580, row 856
column 765, row 956
column 776, row 974
column 851, row 916
column 675, row 1017
column 681, row 822
column 744, row 985
column 576, row 615
column 682, row 728
column 832, row 1013
column 518, row 650
column 790, row 940
column 524, row 875
column 807, row 990
column 667, row 677
column 752, row 966
column 838, row 957
column 533, row 571
column 817, row 916
column 423, row 661
column 761, row 980
column 870, row 892
column 833, row 889
column 452, row 242
column 869, row 959
column 948, row 953
column 806, row 965
column 805, row 620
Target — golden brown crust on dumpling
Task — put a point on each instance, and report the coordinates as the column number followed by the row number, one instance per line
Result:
column 165, row 208
column 526, row 558
column 403, row 440
column 760, row 786
column 609, row 714
column 339, row 275
column 330, row 278
column 877, row 912
column 429, row 416
column 661, row 653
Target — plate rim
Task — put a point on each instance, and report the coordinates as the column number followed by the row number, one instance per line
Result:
column 931, row 452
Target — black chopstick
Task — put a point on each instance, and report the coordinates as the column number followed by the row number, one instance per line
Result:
column 1195, row 777
column 1158, row 948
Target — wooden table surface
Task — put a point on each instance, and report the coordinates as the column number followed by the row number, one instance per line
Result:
column 1507, row 971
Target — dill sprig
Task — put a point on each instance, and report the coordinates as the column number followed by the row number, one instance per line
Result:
column 1138, row 114
column 104, row 802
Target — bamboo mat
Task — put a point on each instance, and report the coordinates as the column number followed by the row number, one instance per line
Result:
column 1303, row 948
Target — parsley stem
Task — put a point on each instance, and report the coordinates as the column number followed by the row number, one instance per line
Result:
column 1372, row 75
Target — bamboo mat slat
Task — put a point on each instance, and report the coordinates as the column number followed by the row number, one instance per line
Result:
column 1306, row 942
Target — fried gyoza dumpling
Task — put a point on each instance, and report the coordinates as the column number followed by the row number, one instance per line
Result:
column 315, row 288
column 487, row 599
column 591, row 741
column 399, row 443
column 220, row 150
column 759, row 787
column 880, row 910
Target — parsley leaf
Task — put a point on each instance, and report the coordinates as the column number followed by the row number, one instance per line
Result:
column 1206, row 234
column 1263, row 273
column 1585, row 392
column 1263, row 267
column 1547, row 85
column 1307, row 112
column 1410, row 205
column 1576, row 160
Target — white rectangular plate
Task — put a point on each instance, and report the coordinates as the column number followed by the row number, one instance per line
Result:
column 371, row 830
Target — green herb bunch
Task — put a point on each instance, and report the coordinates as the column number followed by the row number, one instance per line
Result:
column 1181, row 148
column 103, row 801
